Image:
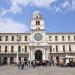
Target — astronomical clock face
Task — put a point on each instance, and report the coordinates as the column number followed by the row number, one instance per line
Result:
column 38, row 36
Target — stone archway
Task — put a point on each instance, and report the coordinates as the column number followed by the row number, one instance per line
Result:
column 57, row 59
column 5, row 60
column 11, row 60
column 38, row 55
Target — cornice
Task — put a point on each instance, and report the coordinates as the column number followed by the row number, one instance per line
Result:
column 27, row 33
column 60, row 33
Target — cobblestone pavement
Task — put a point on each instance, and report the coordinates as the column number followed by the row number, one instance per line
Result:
column 53, row 70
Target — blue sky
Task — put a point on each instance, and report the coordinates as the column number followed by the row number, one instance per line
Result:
column 15, row 15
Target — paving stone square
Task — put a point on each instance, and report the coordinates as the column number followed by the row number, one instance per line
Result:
column 52, row 70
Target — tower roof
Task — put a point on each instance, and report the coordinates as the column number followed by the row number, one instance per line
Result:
column 37, row 15
column 36, row 12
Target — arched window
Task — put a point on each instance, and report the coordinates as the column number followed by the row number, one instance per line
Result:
column 37, row 17
column 19, row 49
column 25, row 48
column 0, row 48
column 12, row 48
column 5, row 48
column 37, row 22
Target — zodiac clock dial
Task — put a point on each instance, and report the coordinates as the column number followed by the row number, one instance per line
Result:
column 38, row 36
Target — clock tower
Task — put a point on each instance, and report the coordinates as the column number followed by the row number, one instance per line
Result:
column 37, row 27
column 38, row 45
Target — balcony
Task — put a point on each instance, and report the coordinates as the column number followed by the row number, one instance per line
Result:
column 38, row 44
column 65, row 52
column 13, row 54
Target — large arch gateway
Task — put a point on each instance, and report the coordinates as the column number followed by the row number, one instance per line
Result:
column 38, row 55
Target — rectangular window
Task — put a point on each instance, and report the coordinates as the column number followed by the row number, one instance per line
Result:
column 56, row 48
column 70, row 48
column 0, row 38
column 5, row 48
column 6, row 38
column 19, row 48
column 68, row 38
column 63, row 48
column 56, row 38
column 50, row 48
column 50, row 38
column 12, row 48
column 63, row 38
column 12, row 38
column 25, row 48
column 18, row 38
column 25, row 38
column 0, row 48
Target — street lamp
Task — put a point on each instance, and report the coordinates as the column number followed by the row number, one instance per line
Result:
column 17, row 57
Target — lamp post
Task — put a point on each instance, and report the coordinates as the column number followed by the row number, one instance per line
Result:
column 17, row 57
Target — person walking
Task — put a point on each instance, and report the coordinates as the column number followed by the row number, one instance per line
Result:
column 19, row 64
column 53, row 62
column 22, row 64
column 49, row 62
column 34, row 64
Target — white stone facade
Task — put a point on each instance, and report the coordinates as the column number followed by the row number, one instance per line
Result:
column 47, row 44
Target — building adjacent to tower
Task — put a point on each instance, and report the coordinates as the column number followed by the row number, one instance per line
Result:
column 37, row 44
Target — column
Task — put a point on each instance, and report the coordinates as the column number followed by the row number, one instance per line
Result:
column 43, row 54
column 15, row 59
column 17, row 56
column 33, row 55
column 47, row 54
column 8, row 60
column 2, row 60
column 29, row 55
column 54, row 58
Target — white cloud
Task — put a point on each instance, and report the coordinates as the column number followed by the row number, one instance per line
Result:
column 38, row 3
column 18, row 4
column 73, row 4
column 3, row 11
column 15, row 9
column 65, row 6
column 42, row 3
column 10, row 26
column 56, row 5
column 57, row 9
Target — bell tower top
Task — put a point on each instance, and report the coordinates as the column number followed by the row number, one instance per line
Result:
column 36, row 12
column 37, row 21
column 37, row 15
